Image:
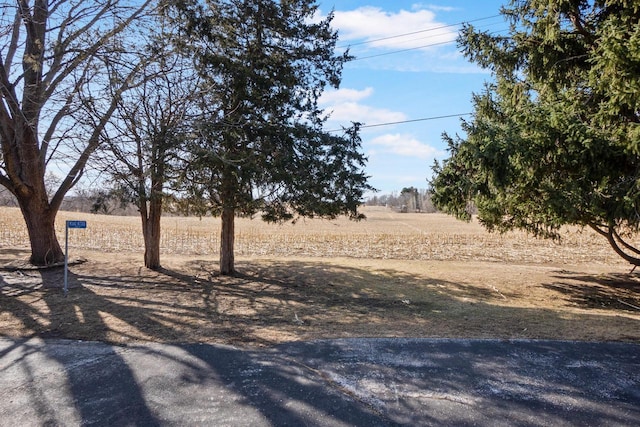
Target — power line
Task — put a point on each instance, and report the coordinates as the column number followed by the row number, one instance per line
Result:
column 406, row 50
column 358, row 58
column 417, row 32
column 424, row 119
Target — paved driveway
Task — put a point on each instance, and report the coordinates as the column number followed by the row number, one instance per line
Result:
column 361, row 382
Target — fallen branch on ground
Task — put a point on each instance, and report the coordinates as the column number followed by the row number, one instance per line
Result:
column 630, row 305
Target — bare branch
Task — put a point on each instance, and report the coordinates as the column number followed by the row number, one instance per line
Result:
column 13, row 44
column 62, row 44
column 6, row 183
column 57, row 75
column 94, row 140
column 60, row 114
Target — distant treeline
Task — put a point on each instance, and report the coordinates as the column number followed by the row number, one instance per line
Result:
column 409, row 199
column 109, row 202
column 96, row 201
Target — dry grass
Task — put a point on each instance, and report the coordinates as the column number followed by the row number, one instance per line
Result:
column 395, row 274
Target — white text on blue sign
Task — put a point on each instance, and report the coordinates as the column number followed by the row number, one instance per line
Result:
column 76, row 224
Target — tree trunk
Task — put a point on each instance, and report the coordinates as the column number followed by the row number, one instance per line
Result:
column 227, row 238
column 151, row 231
column 615, row 241
column 151, row 218
column 40, row 221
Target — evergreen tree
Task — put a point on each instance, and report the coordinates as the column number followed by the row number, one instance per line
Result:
column 260, row 147
column 554, row 140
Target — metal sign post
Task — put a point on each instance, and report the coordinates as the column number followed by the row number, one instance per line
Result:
column 69, row 224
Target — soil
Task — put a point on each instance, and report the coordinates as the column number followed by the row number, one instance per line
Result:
column 112, row 298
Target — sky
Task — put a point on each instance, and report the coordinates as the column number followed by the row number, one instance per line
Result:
column 407, row 67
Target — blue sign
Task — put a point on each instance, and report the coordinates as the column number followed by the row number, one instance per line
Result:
column 76, row 224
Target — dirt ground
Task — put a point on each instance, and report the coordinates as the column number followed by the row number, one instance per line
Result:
column 272, row 300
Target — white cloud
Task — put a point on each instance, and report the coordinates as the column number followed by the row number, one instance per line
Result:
column 344, row 95
column 372, row 24
column 405, row 145
column 434, row 7
column 344, row 108
column 354, row 112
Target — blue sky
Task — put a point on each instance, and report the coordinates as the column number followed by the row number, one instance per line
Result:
column 419, row 75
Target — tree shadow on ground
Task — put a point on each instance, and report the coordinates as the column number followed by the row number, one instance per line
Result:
column 606, row 292
column 487, row 382
column 87, row 313
column 268, row 303
column 119, row 400
column 284, row 393
column 9, row 256
column 272, row 302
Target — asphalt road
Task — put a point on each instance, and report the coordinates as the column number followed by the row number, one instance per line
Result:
column 358, row 382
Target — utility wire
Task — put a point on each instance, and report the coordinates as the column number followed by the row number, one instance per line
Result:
column 358, row 58
column 417, row 32
column 424, row 119
column 405, row 50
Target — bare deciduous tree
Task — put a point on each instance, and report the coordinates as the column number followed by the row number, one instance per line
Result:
column 54, row 56
column 145, row 137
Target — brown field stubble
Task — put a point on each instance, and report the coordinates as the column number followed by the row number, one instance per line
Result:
column 408, row 275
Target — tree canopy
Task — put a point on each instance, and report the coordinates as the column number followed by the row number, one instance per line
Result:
column 555, row 138
column 260, row 145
